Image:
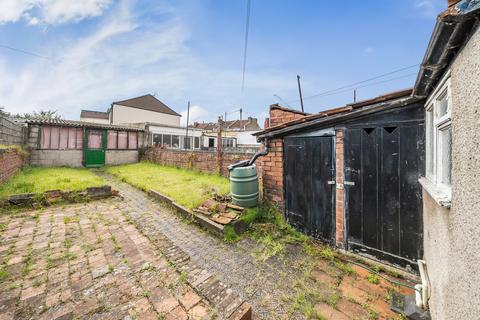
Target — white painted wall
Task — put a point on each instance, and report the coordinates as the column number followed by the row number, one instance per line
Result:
column 124, row 115
column 246, row 138
column 95, row 120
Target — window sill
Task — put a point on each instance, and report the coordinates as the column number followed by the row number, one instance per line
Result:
column 440, row 196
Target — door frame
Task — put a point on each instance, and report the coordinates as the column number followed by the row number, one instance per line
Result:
column 86, row 150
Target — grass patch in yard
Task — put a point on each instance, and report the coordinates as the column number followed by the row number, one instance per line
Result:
column 269, row 228
column 188, row 188
column 41, row 179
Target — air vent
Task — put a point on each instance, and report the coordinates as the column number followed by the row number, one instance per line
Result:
column 368, row 130
column 390, row 129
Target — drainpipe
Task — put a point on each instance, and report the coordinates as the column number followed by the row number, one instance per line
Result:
column 422, row 299
column 245, row 163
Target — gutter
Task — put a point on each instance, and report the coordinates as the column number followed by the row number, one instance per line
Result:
column 451, row 31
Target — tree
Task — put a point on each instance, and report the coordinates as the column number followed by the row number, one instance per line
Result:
column 3, row 113
column 42, row 114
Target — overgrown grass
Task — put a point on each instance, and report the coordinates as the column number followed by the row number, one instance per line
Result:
column 269, row 228
column 188, row 188
column 36, row 179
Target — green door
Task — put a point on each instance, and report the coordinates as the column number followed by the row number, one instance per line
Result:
column 94, row 147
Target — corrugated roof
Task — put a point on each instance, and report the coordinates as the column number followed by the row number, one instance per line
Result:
column 250, row 124
column 336, row 111
column 147, row 102
column 80, row 124
column 94, row 114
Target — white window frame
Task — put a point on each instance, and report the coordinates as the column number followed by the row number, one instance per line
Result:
column 437, row 124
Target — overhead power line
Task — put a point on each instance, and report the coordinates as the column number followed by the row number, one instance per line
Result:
column 368, row 85
column 25, row 52
column 355, row 84
column 247, row 26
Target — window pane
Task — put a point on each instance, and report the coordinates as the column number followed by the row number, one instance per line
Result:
column 157, row 139
column 63, row 138
column 122, row 140
column 54, row 137
column 429, row 143
column 132, row 140
column 446, row 155
column 442, row 107
column 175, row 141
column 167, row 140
column 95, row 139
column 187, row 142
column 111, row 139
column 79, row 138
column 72, row 139
column 197, row 142
column 45, row 138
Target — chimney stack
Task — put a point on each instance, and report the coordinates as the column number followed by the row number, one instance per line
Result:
column 452, row 2
column 266, row 124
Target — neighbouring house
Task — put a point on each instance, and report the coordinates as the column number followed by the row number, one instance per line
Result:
column 349, row 175
column 95, row 116
column 76, row 143
column 449, row 79
column 145, row 108
column 160, row 122
column 235, row 134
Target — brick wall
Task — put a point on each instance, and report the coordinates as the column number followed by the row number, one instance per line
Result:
column 272, row 172
column 10, row 163
column 340, row 191
column 205, row 161
column 279, row 115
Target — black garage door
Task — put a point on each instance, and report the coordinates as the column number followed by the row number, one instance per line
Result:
column 310, row 185
column 384, row 200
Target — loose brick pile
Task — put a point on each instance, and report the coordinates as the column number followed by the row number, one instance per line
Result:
column 10, row 163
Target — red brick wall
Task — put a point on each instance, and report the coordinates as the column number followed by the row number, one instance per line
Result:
column 278, row 116
column 10, row 162
column 340, row 191
column 272, row 172
column 205, row 161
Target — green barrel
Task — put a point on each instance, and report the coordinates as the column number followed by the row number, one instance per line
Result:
column 244, row 186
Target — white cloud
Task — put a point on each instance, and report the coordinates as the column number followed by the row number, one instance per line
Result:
column 197, row 113
column 50, row 11
column 124, row 58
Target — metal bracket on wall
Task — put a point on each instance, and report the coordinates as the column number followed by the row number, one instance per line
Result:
column 349, row 183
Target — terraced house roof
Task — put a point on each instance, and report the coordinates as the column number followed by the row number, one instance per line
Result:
column 147, row 102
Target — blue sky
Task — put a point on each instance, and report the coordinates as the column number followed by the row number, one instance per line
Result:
column 94, row 52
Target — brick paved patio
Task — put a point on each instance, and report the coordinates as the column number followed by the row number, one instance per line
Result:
column 273, row 287
column 88, row 262
column 133, row 258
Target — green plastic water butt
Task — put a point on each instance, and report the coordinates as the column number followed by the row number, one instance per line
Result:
column 244, row 186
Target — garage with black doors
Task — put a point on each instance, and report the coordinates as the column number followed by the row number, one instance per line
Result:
column 350, row 176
